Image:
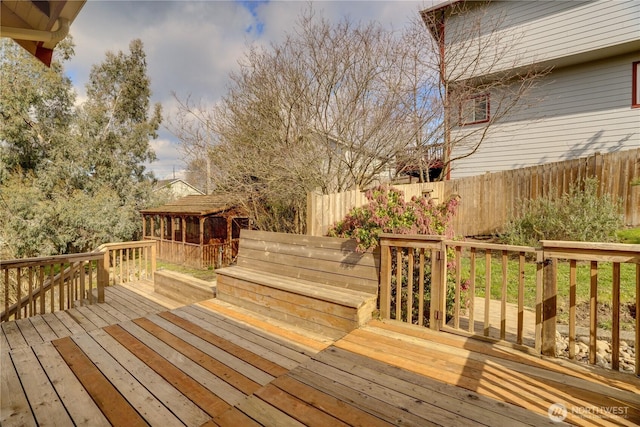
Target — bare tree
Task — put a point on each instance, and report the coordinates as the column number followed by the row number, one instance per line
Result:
column 193, row 125
column 329, row 108
column 485, row 76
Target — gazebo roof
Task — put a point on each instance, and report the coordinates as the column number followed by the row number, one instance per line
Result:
column 194, row 205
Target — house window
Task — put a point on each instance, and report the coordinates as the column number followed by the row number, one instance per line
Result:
column 475, row 110
column 635, row 86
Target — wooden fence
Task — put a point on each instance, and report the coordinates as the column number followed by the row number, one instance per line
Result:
column 487, row 201
column 511, row 295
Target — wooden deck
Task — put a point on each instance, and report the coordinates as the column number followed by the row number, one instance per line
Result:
column 212, row 364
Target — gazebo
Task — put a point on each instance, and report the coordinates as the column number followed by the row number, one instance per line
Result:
column 196, row 231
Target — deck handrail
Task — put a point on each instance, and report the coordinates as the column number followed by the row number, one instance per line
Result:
column 49, row 291
column 41, row 296
column 437, row 262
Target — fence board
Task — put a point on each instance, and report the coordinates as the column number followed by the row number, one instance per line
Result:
column 487, row 201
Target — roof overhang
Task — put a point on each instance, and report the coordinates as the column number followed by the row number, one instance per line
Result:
column 194, row 205
column 38, row 26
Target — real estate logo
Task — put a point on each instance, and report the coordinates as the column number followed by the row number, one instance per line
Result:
column 557, row 412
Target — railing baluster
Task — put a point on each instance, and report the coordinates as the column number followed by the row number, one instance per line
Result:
column 53, row 288
column 90, row 282
column 127, row 255
column 521, row 273
column 458, row 282
column 487, row 291
column 472, row 289
column 83, row 290
column 615, row 327
column 120, row 254
column 31, row 307
column 19, row 291
column 572, row 309
column 421, row 289
column 61, row 287
column 43, row 292
column 503, row 300
column 539, row 285
column 593, row 312
column 6, row 294
column 398, row 283
column 637, row 319
column 409, row 285
column 385, row 281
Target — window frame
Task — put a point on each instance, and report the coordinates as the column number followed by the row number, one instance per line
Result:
column 474, row 98
column 635, row 85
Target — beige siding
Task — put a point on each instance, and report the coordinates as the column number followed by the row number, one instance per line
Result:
column 577, row 111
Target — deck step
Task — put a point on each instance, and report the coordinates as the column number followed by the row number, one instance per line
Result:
column 183, row 288
column 314, row 342
column 146, row 289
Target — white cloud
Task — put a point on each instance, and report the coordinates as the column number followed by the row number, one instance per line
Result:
column 192, row 46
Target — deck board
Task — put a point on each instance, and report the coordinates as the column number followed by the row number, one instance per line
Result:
column 43, row 399
column 43, row 328
column 29, row 332
column 163, row 352
column 14, row 405
column 12, row 334
column 188, row 412
column 206, row 365
column 81, row 407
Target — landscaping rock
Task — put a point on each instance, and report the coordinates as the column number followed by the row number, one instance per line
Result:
column 626, row 352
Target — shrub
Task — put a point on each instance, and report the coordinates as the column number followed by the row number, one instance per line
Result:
column 578, row 215
column 388, row 212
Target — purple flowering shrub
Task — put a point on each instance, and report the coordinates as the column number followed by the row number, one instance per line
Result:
column 388, row 212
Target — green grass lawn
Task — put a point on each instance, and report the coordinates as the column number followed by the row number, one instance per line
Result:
column 605, row 291
column 630, row 235
column 627, row 280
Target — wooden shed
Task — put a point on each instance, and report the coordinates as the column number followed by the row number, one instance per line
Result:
column 197, row 231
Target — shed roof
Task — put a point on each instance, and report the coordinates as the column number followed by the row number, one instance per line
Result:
column 195, row 205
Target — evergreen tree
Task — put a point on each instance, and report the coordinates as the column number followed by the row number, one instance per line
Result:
column 73, row 178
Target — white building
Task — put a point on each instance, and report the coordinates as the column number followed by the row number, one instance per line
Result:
column 589, row 102
column 173, row 189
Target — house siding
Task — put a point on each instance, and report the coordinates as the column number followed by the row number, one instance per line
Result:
column 575, row 112
column 526, row 32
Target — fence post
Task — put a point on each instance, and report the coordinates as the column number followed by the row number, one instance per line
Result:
column 549, row 307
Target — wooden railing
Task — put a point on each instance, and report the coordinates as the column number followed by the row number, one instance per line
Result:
column 41, row 285
column 599, row 256
column 438, row 283
column 129, row 261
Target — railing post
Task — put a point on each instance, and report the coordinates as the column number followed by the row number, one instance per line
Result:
column 549, row 307
column 385, row 279
column 153, row 259
column 438, row 309
column 103, row 275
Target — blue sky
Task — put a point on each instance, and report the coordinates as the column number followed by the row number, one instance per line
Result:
column 192, row 46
